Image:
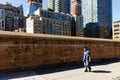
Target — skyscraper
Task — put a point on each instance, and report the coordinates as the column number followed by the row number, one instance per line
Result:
column 76, row 7
column 98, row 11
column 51, row 4
column 76, row 13
column 59, row 5
column 34, row 5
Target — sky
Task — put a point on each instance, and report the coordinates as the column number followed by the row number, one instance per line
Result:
column 116, row 6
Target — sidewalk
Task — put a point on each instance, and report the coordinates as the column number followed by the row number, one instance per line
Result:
column 109, row 71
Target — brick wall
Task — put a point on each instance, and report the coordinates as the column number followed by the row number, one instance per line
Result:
column 20, row 50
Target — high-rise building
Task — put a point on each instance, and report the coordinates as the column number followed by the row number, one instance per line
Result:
column 51, row 4
column 59, row 5
column 95, row 31
column 11, row 17
column 76, row 7
column 76, row 13
column 91, row 30
column 34, row 5
column 62, row 6
column 98, row 11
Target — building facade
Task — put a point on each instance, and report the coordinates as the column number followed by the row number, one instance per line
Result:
column 98, row 11
column 48, row 22
column 76, row 7
column 92, row 30
column 11, row 18
column 34, row 24
column 51, row 4
column 2, row 19
column 79, row 25
column 116, row 30
column 59, row 5
column 34, row 5
column 76, row 13
column 95, row 31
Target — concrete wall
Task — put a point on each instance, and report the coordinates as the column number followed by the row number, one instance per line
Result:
column 20, row 50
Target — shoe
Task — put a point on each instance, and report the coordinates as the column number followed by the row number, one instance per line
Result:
column 86, row 71
column 90, row 70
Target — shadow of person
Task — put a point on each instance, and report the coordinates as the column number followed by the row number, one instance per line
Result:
column 101, row 71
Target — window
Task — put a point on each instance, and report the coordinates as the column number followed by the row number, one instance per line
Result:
column 2, row 23
column 2, row 12
column 2, row 17
column 116, row 30
column 116, row 25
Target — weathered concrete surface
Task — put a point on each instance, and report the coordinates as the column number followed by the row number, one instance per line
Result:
column 102, row 71
column 19, row 51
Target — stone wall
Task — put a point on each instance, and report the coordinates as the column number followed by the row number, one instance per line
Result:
column 20, row 50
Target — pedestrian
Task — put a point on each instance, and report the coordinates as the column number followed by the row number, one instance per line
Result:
column 86, row 59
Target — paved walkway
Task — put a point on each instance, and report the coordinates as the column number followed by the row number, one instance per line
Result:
column 107, row 71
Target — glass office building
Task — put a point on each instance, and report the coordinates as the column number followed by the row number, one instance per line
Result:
column 51, row 4
column 66, row 6
column 34, row 5
column 59, row 5
column 98, row 11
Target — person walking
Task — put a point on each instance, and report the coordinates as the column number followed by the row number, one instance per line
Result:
column 87, row 59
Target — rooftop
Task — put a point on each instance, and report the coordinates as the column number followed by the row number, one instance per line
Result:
column 117, row 21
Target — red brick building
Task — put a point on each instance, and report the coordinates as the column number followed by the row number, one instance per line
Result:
column 76, row 7
column 76, row 13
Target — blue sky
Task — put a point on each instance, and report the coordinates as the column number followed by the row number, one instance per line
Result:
column 116, row 6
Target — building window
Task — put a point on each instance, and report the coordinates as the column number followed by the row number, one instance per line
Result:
column 2, row 11
column 3, row 24
column 116, row 30
column 116, row 25
column 0, row 24
column 2, row 17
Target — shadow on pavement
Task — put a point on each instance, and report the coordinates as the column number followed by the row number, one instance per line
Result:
column 104, row 62
column 59, row 69
column 15, row 75
column 56, row 69
column 101, row 71
column 76, row 66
